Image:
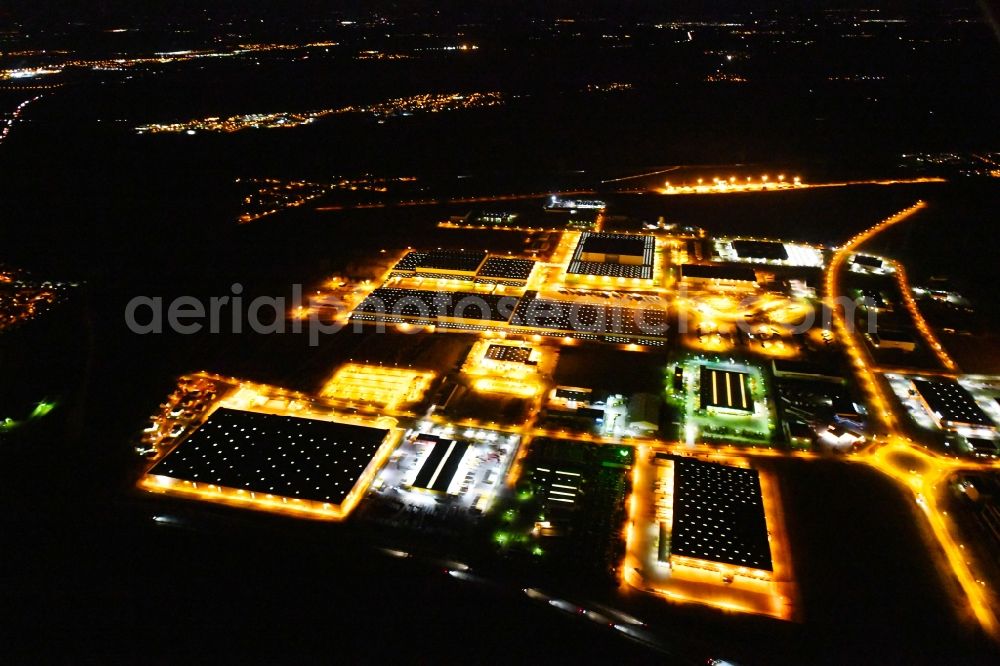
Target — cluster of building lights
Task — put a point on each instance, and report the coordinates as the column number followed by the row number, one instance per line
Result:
column 510, row 371
column 724, row 77
column 371, row 384
column 918, row 320
column 505, row 367
column 791, row 254
column 274, row 194
column 115, row 64
column 858, row 355
column 400, row 106
column 22, row 300
column 895, row 454
column 707, row 559
column 9, row 125
column 734, row 184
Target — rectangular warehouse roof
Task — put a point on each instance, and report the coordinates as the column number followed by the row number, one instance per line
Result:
column 719, row 514
column 718, row 272
column 613, row 244
column 725, row 389
column 639, row 249
column 865, row 260
column 284, row 456
column 952, row 402
column 440, row 465
column 747, row 249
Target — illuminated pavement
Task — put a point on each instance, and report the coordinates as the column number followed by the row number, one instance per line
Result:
column 266, row 400
column 923, row 473
column 733, row 185
column 744, row 592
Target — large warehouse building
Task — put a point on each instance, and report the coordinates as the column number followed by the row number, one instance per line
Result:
column 614, row 255
column 718, row 516
column 312, row 467
column 726, row 391
column 950, row 405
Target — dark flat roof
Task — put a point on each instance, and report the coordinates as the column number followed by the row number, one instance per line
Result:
column 285, row 456
column 950, row 399
column 719, row 272
column 726, row 389
column 572, row 394
column 719, row 514
column 747, row 249
column 614, row 244
column 440, row 465
column 453, row 260
column 982, row 446
column 788, row 366
column 895, row 335
column 865, row 260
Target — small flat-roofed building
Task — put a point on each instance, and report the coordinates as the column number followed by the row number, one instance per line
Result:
column 573, row 394
column 867, row 261
column 718, row 274
column 558, row 203
column 806, row 370
column 950, row 405
column 437, row 472
column 378, row 385
column 318, row 468
column 848, row 412
column 718, row 515
column 889, row 338
column 644, row 413
column 982, row 447
column 798, row 433
column 570, row 398
column 726, row 391
column 767, row 250
column 840, row 436
column 498, row 218
column 614, row 255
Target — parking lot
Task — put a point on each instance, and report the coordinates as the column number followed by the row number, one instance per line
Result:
column 472, row 487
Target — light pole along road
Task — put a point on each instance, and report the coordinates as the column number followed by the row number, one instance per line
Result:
column 915, row 467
